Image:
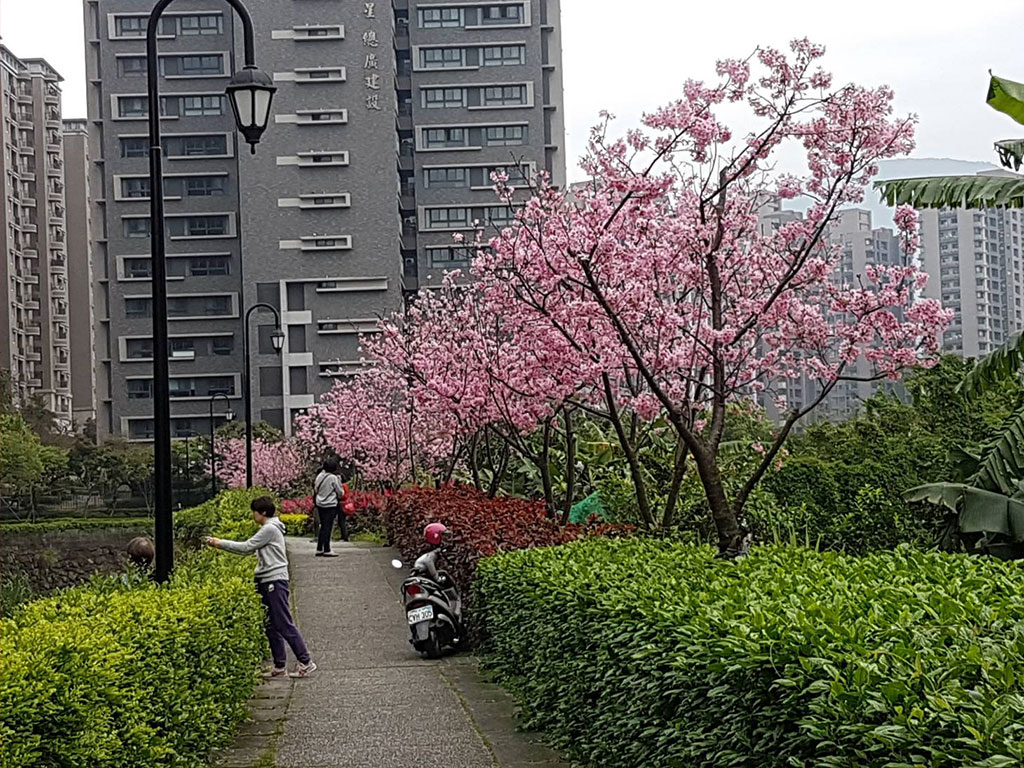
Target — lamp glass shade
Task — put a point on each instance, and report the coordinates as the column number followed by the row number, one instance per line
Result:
column 251, row 93
column 229, row 415
column 277, row 339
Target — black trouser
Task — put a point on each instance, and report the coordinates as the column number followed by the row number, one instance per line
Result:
column 327, row 515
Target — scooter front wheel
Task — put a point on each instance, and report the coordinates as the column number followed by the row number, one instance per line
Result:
column 431, row 647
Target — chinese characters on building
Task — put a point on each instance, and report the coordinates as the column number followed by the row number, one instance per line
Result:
column 371, row 66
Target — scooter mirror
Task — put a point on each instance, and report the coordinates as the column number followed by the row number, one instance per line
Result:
column 396, row 563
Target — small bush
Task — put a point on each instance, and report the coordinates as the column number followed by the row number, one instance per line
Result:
column 656, row 654
column 123, row 673
column 75, row 524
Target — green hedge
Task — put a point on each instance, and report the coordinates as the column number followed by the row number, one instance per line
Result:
column 75, row 524
column 122, row 672
column 655, row 654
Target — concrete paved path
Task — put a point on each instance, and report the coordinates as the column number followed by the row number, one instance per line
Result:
column 373, row 702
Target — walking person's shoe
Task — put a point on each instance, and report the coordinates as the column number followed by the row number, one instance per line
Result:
column 304, row 670
column 330, row 554
column 319, row 553
column 276, row 672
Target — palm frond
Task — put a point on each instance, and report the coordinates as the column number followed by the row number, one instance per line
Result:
column 1011, row 153
column 998, row 366
column 1001, row 463
column 954, row 191
column 1007, row 97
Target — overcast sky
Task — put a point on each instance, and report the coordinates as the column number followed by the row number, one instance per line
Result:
column 628, row 57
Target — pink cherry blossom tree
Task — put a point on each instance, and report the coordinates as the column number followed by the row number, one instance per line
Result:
column 278, row 466
column 660, row 276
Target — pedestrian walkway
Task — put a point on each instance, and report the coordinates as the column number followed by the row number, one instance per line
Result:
column 373, row 702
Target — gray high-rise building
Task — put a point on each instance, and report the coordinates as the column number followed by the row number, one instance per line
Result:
column 33, row 273
column 387, row 124
column 80, row 274
column 974, row 265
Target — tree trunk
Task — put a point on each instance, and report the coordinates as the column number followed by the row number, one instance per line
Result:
column 499, row 473
column 544, row 465
column 678, row 472
column 730, row 532
column 639, row 486
column 570, row 466
column 473, row 462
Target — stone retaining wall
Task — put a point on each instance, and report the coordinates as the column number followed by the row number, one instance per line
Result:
column 55, row 559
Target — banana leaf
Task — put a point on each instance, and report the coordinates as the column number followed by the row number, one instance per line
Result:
column 954, row 191
column 980, row 511
column 1007, row 97
column 1011, row 153
column 1001, row 463
column 1004, row 362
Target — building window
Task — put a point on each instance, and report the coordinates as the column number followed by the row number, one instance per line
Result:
column 214, row 265
column 204, row 186
column 504, row 55
column 435, row 138
column 501, row 14
column 324, row 242
column 140, row 429
column 505, row 135
column 202, row 145
column 449, row 257
column 138, row 268
column 447, row 218
column 222, row 345
column 132, row 106
column 436, row 98
column 135, row 187
column 201, row 24
column 500, row 215
column 137, row 307
column 206, row 226
column 504, row 95
column 139, row 349
column 131, row 66
column 140, row 389
column 134, row 147
column 136, row 227
column 445, row 178
column 194, row 66
column 130, row 26
column 433, row 18
column 442, row 58
column 193, row 106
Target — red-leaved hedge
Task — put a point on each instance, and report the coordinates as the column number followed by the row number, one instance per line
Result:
column 478, row 527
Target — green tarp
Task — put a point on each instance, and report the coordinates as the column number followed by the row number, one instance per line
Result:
column 589, row 506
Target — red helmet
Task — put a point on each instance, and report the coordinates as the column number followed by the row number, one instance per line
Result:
column 433, row 533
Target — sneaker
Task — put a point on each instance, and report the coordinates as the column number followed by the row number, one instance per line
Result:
column 276, row 672
column 304, row 670
column 319, row 553
column 330, row 554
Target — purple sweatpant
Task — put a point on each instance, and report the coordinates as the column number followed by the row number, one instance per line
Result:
column 277, row 621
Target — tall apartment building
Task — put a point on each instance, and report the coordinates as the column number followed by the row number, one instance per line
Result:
column 859, row 244
column 387, row 123
column 80, row 274
column 33, row 274
column 973, row 259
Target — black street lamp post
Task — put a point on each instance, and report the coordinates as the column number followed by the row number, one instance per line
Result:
column 250, row 93
column 229, row 415
column 277, row 339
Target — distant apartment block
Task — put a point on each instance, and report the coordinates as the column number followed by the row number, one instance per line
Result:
column 35, row 349
column 973, row 259
column 859, row 244
column 388, row 122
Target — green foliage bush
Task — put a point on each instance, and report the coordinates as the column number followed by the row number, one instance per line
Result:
column 122, row 672
column 645, row 653
column 74, row 524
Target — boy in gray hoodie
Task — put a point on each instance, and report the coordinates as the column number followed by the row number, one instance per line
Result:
column 272, row 584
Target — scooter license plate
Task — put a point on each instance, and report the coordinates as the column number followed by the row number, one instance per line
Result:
column 426, row 613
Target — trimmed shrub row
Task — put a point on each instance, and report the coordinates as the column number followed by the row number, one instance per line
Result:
column 75, row 524
column 124, row 673
column 655, row 654
column 478, row 527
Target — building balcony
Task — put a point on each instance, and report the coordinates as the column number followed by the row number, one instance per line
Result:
column 401, row 39
column 410, row 283
column 403, row 82
column 408, row 239
column 405, row 162
column 404, row 122
column 34, row 357
column 407, row 201
column 33, row 330
column 32, row 304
